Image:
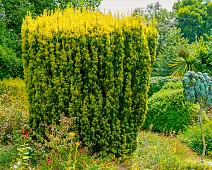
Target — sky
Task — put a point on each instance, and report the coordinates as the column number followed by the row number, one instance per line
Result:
column 124, row 5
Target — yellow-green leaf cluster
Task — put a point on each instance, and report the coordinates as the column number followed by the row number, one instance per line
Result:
column 91, row 66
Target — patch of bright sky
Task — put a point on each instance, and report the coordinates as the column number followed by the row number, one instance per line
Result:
column 123, row 6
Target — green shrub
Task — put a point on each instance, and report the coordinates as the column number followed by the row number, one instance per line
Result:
column 157, row 83
column 168, row 110
column 91, row 66
column 10, row 65
column 192, row 137
column 7, row 154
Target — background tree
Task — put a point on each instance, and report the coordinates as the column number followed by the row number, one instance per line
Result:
column 203, row 49
column 13, row 12
column 170, row 37
column 194, row 17
column 171, row 43
column 39, row 6
column 180, row 51
column 193, row 57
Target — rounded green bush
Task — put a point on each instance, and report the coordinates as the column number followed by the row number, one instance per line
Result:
column 192, row 137
column 168, row 110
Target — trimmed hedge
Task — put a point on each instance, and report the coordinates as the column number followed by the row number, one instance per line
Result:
column 91, row 66
column 10, row 65
column 169, row 111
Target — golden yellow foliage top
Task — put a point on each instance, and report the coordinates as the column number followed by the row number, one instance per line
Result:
column 77, row 22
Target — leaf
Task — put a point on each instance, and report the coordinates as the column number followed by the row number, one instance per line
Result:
column 25, row 157
column 20, row 150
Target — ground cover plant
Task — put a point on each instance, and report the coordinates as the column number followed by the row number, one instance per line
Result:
column 156, row 151
column 192, row 137
column 13, row 109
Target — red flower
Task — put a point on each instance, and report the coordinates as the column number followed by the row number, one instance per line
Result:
column 23, row 132
column 27, row 134
column 49, row 161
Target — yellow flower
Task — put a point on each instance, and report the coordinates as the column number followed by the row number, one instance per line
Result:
column 77, row 144
column 71, row 135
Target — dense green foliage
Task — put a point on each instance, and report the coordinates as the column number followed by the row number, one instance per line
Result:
column 193, row 57
column 194, row 18
column 203, row 48
column 6, row 156
column 192, row 137
column 10, row 65
column 168, row 110
column 99, row 74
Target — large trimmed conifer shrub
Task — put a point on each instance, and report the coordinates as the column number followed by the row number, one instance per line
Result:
column 91, row 66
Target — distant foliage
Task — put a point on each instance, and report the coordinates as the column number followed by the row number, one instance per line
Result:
column 194, row 18
column 93, row 67
column 157, row 83
column 203, row 51
column 10, row 65
column 168, row 110
column 193, row 57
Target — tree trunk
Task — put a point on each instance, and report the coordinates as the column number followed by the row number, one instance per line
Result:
column 203, row 136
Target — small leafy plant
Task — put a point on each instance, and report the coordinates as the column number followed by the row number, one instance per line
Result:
column 198, row 89
column 23, row 151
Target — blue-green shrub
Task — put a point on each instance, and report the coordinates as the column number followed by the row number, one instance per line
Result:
column 198, row 88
